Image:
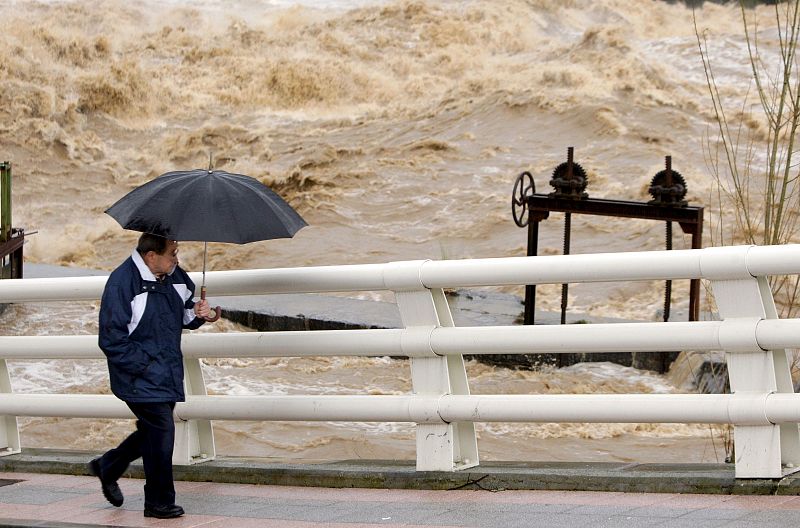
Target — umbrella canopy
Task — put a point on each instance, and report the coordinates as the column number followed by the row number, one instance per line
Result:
column 207, row 206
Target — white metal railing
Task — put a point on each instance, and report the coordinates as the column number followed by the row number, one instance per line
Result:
column 762, row 407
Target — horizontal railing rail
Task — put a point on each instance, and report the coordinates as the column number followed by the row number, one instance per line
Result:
column 756, row 409
column 703, row 336
column 762, row 407
column 707, row 263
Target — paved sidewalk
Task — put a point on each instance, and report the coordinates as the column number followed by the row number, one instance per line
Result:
column 35, row 499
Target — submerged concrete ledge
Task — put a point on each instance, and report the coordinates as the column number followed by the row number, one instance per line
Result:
column 401, row 474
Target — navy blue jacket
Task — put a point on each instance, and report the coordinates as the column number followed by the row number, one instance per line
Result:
column 141, row 319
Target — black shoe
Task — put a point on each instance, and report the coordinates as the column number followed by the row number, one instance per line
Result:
column 163, row 512
column 111, row 490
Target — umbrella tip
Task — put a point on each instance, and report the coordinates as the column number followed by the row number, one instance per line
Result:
column 210, row 162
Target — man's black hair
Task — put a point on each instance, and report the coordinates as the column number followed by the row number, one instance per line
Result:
column 150, row 242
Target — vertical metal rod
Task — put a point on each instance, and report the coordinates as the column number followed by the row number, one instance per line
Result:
column 668, row 286
column 668, row 171
column 694, row 284
column 570, row 158
column 567, row 229
column 530, row 289
column 565, row 287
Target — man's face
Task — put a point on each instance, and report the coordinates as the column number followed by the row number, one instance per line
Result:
column 164, row 263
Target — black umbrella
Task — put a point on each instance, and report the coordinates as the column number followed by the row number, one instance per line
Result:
column 207, row 206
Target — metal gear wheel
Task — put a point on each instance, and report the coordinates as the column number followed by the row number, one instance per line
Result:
column 573, row 187
column 664, row 193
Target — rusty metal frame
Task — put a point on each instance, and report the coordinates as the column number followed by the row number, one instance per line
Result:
column 11, row 239
column 13, row 248
column 540, row 206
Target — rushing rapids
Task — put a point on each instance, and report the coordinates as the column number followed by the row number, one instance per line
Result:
column 397, row 130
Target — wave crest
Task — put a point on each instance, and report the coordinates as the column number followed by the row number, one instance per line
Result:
column 123, row 89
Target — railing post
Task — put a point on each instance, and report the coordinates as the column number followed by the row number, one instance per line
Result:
column 9, row 432
column 194, row 439
column 761, row 450
column 440, row 446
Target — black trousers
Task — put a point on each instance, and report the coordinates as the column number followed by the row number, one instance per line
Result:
column 153, row 440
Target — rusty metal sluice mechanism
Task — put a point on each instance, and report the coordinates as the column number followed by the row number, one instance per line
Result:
column 569, row 181
column 11, row 239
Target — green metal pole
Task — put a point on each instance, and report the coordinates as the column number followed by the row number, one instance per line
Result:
column 5, row 201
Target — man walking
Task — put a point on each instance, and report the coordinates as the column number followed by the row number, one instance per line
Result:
column 146, row 304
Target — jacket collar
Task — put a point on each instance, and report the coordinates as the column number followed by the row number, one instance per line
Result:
column 144, row 271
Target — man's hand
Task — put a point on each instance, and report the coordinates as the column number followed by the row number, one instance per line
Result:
column 202, row 309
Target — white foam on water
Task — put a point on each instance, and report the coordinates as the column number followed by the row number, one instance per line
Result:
column 604, row 372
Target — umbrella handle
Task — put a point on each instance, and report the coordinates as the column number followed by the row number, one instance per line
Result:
column 217, row 311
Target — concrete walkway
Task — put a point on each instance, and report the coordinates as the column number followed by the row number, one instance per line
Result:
column 402, row 474
column 41, row 487
column 63, row 501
